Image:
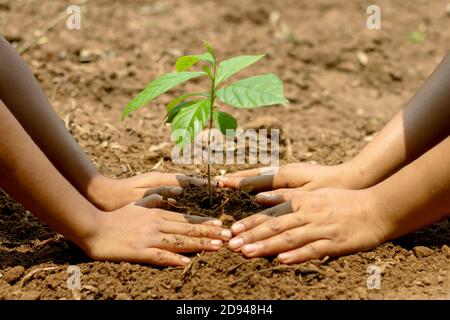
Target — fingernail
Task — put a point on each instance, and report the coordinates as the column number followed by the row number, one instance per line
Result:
column 236, row 243
column 264, row 196
column 217, row 222
column 284, row 257
column 238, row 227
column 176, row 191
column 186, row 260
column 216, row 243
column 226, row 234
column 249, row 248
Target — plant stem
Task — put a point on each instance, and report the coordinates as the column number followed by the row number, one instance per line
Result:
column 213, row 98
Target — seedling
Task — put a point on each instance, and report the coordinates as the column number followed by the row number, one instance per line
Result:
column 191, row 112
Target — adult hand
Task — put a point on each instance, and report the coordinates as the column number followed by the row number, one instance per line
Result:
column 140, row 232
column 296, row 175
column 311, row 225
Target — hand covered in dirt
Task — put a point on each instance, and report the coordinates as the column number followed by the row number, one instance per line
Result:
column 111, row 194
column 311, row 225
column 142, row 233
column 295, row 175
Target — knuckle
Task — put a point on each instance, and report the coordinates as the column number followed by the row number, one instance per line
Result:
column 313, row 251
column 275, row 226
column 289, row 237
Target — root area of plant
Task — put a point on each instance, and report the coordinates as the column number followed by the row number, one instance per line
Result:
column 227, row 205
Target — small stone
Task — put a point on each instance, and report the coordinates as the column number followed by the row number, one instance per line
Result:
column 447, row 9
column 422, row 251
column 122, row 296
column 418, row 283
column 362, row 293
column 30, row 295
column 13, row 274
column 176, row 284
column 362, row 58
column 446, row 250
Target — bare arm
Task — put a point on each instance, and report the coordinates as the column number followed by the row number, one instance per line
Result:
column 28, row 176
column 21, row 93
column 423, row 122
column 137, row 232
column 334, row 222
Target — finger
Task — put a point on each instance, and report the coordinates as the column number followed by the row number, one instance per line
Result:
column 249, row 184
column 288, row 240
column 268, row 229
column 314, row 250
column 169, row 179
column 185, row 181
column 248, row 223
column 245, row 173
column 151, row 201
column 279, row 210
column 196, row 230
column 181, row 243
column 165, row 191
column 162, row 258
column 278, row 196
column 186, row 218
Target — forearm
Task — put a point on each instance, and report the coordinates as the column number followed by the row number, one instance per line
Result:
column 24, row 98
column 419, row 194
column 423, row 122
column 27, row 175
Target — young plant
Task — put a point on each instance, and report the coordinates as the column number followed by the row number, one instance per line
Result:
column 191, row 112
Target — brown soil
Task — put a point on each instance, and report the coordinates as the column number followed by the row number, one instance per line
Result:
column 337, row 106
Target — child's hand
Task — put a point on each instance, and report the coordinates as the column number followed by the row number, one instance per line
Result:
column 311, row 225
column 111, row 194
column 296, row 175
column 141, row 233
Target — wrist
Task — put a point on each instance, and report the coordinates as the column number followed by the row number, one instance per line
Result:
column 356, row 175
column 101, row 192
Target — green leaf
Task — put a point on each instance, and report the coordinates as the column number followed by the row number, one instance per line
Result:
column 174, row 111
column 185, row 62
column 231, row 66
column 253, row 92
column 224, row 121
column 179, row 99
column 191, row 121
column 206, row 57
column 158, row 87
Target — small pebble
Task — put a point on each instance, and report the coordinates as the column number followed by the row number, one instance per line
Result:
column 422, row 251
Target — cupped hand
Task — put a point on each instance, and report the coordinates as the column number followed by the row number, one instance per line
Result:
column 111, row 194
column 312, row 225
column 142, row 233
column 295, row 175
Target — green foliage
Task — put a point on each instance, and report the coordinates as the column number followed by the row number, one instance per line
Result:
column 231, row 66
column 158, row 87
column 189, row 121
column 189, row 113
column 225, row 121
column 253, row 92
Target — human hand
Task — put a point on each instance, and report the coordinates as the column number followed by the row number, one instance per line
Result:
column 111, row 194
column 296, row 175
column 139, row 232
column 311, row 225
